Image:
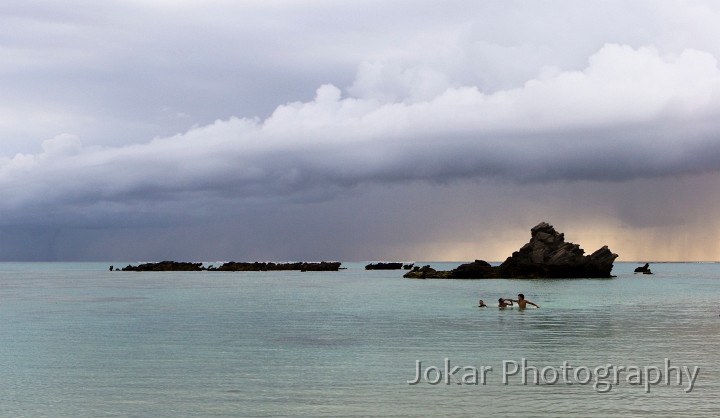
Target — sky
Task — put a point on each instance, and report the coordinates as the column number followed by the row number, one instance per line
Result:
column 143, row 130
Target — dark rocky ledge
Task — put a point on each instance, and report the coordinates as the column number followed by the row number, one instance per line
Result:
column 301, row 266
column 547, row 255
column 426, row 272
column 166, row 266
column 235, row 266
column 384, row 266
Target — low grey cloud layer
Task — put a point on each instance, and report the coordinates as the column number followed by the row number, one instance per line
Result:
column 118, row 120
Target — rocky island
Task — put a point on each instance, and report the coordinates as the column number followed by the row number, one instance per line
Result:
column 547, row 255
column 235, row 266
column 384, row 266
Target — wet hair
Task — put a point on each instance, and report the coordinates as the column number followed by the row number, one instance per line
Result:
column 521, row 296
column 501, row 300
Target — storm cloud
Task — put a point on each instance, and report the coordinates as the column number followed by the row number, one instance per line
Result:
column 162, row 123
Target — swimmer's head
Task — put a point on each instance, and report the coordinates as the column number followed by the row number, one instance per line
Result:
column 521, row 296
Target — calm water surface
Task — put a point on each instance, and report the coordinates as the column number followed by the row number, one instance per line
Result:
column 78, row 340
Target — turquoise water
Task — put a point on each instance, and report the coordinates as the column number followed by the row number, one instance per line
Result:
column 80, row 341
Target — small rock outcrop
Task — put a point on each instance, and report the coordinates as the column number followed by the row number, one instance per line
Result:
column 426, row 272
column 235, row 266
column 301, row 266
column 478, row 269
column 166, row 266
column 384, row 266
column 644, row 269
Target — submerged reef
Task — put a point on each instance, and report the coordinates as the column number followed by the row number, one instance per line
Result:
column 546, row 255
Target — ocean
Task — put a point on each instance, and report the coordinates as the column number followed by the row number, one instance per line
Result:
column 81, row 341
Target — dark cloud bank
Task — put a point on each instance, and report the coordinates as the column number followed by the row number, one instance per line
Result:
column 410, row 159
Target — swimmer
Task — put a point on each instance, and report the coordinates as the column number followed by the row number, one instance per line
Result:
column 481, row 304
column 502, row 303
column 522, row 303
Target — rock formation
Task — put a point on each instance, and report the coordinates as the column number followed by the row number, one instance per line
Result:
column 547, row 255
column 235, row 266
column 384, row 266
column 644, row 269
column 426, row 272
column 476, row 269
column 242, row 266
column 166, row 266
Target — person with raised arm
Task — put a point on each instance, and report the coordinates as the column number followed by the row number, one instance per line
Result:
column 522, row 303
column 503, row 303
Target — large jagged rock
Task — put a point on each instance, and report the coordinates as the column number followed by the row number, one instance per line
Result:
column 547, row 255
